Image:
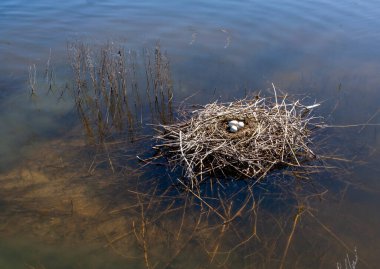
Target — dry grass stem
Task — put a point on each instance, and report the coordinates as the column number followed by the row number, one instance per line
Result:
column 33, row 79
column 108, row 92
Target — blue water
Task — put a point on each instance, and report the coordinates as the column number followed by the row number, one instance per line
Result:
column 327, row 50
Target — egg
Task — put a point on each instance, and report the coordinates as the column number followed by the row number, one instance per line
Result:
column 233, row 123
column 233, row 128
column 240, row 124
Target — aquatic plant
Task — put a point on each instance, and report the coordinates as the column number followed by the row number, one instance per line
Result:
column 106, row 89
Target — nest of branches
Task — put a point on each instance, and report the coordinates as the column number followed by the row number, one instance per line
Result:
column 276, row 134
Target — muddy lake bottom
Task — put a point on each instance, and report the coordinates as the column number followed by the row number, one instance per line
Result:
column 63, row 207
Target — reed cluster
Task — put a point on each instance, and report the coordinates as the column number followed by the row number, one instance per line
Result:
column 109, row 92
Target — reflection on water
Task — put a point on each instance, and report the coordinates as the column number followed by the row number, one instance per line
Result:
column 61, row 203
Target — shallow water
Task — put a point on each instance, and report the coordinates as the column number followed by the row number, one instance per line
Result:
column 55, row 197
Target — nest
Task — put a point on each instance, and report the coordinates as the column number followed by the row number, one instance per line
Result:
column 276, row 134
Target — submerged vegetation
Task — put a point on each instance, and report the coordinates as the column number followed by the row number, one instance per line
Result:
column 349, row 263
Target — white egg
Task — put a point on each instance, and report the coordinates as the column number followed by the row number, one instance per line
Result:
column 233, row 129
column 240, row 124
column 233, row 123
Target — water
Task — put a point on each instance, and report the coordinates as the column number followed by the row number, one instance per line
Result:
column 52, row 196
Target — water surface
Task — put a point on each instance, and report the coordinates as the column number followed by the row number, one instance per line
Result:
column 326, row 50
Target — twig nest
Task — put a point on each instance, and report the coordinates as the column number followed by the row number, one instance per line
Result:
column 244, row 139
